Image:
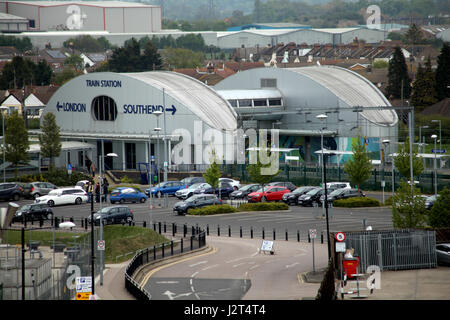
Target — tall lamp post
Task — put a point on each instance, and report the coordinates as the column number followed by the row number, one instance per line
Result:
column 440, row 133
column 157, row 113
column 385, row 143
column 4, row 143
column 435, row 174
column 101, row 160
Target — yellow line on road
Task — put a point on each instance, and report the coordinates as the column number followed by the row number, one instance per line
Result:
column 153, row 271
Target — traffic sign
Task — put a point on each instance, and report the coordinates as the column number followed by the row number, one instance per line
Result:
column 312, row 233
column 340, row 236
column 438, row 151
column 101, row 245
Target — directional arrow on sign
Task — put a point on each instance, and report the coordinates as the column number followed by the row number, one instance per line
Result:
column 173, row 109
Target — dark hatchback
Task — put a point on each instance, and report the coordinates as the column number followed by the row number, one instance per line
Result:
column 113, row 215
column 224, row 190
column 311, row 197
column 33, row 211
column 343, row 194
column 244, row 191
column 10, row 191
column 292, row 197
column 286, row 184
column 196, row 201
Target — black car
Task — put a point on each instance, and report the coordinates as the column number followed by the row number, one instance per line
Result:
column 244, row 191
column 311, row 197
column 342, row 194
column 286, row 184
column 196, row 201
column 34, row 211
column 10, row 191
column 112, row 215
column 292, row 197
column 223, row 191
column 189, row 181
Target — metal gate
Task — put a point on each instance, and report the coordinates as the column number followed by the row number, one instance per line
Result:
column 394, row 249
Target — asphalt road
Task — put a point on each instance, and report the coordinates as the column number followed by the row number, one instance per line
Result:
column 296, row 221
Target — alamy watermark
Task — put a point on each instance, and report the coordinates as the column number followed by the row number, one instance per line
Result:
column 373, row 21
column 76, row 17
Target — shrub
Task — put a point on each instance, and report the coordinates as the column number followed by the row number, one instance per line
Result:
column 263, row 206
column 214, row 209
column 125, row 179
column 356, row 202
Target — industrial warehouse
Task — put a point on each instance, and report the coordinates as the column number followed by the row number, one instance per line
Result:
column 151, row 111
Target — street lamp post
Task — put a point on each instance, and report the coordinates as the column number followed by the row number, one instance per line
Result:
column 435, row 174
column 4, row 143
column 440, row 133
column 322, row 117
column 157, row 113
column 385, row 143
column 101, row 160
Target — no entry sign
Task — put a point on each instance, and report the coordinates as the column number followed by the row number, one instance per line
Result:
column 340, row 236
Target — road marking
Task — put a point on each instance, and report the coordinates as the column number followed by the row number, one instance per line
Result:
column 291, row 265
column 254, row 267
column 193, row 275
column 198, row 263
column 167, row 282
column 210, row 267
column 239, row 264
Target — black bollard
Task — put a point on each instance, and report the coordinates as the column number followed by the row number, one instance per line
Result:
column 298, row 236
column 218, row 230
column 240, row 231
column 274, row 235
column 229, row 231
column 251, row 232
column 286, row 235
column 207, row 229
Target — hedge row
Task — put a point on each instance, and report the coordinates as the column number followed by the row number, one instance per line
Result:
column 225, row 208
column 356, row 202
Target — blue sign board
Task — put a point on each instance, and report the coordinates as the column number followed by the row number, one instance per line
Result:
column 438, row 150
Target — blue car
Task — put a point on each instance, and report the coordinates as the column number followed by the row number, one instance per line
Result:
column 127, row 194
column 168, row 187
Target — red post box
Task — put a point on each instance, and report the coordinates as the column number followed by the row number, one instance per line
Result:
column 350, row 266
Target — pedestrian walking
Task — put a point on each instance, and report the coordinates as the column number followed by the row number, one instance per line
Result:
column 105, row 190
column 88, row 163
column 97, row 192
column 90, row 191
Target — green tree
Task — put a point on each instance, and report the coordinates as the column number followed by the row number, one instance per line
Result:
column 182, row 58
column 359, row 167
column 398, row 75
column 414, row 34
column 50, row 139
column 443, row 73
column 67, row 74
column 17, row 73
column 255, row 172
column 408, row 208
column 17, row 143
column 213, row 173
column 423, row 90
column 43, row 73
column 439, row 217
column 402, row 161
column 75, row 61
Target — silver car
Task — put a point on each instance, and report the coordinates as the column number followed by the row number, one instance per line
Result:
column 188, row 192
column 36, row 189
column 443, row 253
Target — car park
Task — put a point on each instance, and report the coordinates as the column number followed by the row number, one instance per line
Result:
column 292, row 197
column 286, row 184
column 223, row 191
column 167, row 187
column 127, row 194
column 113, row 215
column 195, row 201
column 188, row 192
column 234, row 183
column 63, row 196
column 342, row 193
column 311, row 197
column 443, row 253
column 11, row 191
column 189, row 181
column 33, row 211
column 244, row 191
column 36, row 189
column 271, row 193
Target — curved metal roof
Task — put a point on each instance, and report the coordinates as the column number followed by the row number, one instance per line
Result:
column 353, row 89
column 203, row 101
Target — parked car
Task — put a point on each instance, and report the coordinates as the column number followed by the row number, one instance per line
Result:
column 63, row 196
column 34, row 190
column 196, row 201
column 243, row 192
column 127, row 194
column 189, row 181
column 188, row 192
column 271, row 193
column 11, row 191
column 443, row 253
column 292, row 197
column 33, row 211
column 234, row 183
column 311, row 197
column 223, row 191
column 343, row 193
column 112, row 215
column 338, row 185
column 286, row 184
column 429, row 201
column 167, row 187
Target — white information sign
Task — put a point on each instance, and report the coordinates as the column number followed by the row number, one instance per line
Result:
column 340, row 247
column 267, row 246
column 83, row 284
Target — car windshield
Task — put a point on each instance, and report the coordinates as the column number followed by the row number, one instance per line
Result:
column 300, row 190
column 53, row 192
column 336, row 192
column 245, row 188
column 313, row 192
column 195, row 186
column 104, row 210
column 191, row 199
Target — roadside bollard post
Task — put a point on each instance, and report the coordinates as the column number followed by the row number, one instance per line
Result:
column 298, row 236
column 321, row 237
column 229, row 231
column 309, row 239
column 162, row 250
column 192, row 243
column 154, row 252
column 165, row 227
column 144, row 224
column 251, row 232
column 181, row 245
column 286, row 235
column 184, row 230
column 207, row 229
column 159, row 227
column 274, row 234
column 240, row 231
column 171, row 248
column 263, row 233
column 174, row 229
column 218, row 230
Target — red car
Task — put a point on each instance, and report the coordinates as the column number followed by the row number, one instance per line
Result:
column 271, row 193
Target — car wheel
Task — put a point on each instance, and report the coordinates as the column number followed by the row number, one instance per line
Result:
column 142, row 200
column 112, row 202
column 51, row 203
column 49, row 216
column 78, row 201
column 36, row 195
column 16, row 197
column 122, row 201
